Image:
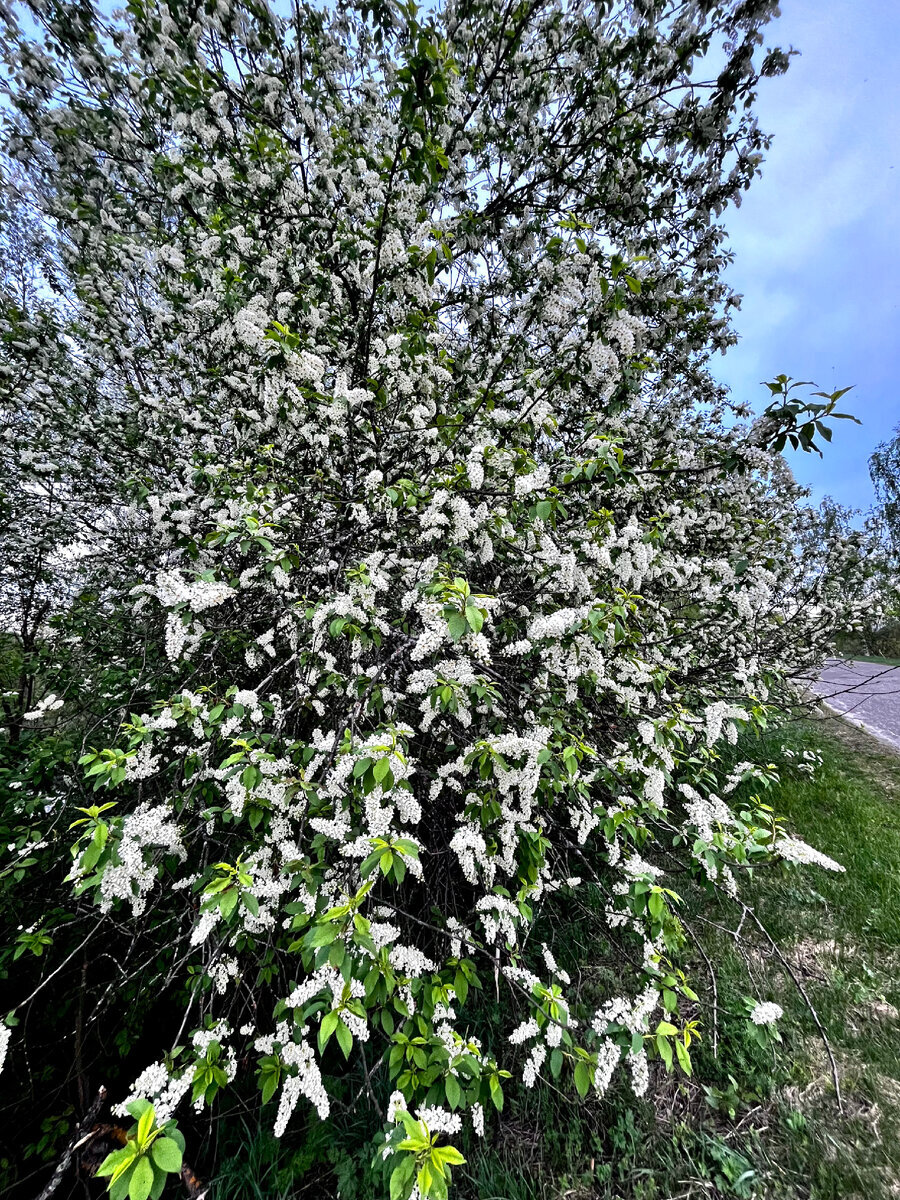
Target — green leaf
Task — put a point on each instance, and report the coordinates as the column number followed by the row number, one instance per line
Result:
column 320, row 935
column 175, row 1134
column 145, row 1124
column 112, row 1161
column 453, row 1090
column 475, row 618
column 90, row 857
column 449, row 1154
column 665, row 1051
column 457, row 624
column 118, row 1188
column 251, row 903
column 166, row 1155
column 684, row 1057
column 344, row 1038
column 137, row 1108
column 327, row 1028
column 582, row 1077
column 425, row 1178
column 141, row 1180
column 369, row 864
column 159, row 1183
column 402, row 1178
column 411, row 1125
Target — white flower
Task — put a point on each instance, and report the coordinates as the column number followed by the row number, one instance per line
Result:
column 795, row 851
column 49, row 704
column 438, row 1120
column 5, row 1035
column 476, row 1112
column 765, row 1012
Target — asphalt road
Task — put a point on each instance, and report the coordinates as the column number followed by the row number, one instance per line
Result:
column 868, row 694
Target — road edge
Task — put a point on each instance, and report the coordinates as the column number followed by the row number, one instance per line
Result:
column 883, row 739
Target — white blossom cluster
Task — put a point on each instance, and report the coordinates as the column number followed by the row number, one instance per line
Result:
column 797, row 851
column 305, row 1080
column 766, row 1012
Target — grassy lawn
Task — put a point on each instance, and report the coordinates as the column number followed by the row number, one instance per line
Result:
column 752, row 1123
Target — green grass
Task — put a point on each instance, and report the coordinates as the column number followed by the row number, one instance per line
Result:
column 875, row 658
column 841, row 934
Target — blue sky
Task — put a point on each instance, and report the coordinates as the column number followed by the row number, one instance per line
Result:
column 817, row 238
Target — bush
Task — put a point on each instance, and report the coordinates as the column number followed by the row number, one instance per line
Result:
column 421, row 568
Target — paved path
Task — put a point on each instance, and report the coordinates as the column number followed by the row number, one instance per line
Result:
column 868, row 694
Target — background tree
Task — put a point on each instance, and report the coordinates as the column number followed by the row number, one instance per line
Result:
column 884, row 467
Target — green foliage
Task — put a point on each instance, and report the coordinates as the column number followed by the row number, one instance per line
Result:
column 152, row 1152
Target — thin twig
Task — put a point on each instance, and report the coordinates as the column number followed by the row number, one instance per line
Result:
column 806, row 1000
column 66, row 960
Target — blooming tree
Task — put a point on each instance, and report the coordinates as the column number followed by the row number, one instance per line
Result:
column 428, row 568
